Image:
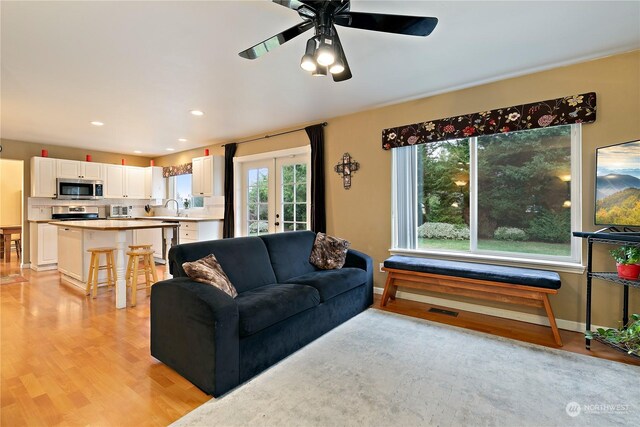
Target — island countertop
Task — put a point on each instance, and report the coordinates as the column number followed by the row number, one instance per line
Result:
column 113, row 225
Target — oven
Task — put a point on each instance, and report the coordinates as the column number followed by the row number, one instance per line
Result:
column 79, row 189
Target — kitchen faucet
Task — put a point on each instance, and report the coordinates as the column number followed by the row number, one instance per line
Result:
column 177, row 206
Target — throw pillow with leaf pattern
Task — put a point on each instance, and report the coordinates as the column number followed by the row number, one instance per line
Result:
column 208, row 270
column 329, row 252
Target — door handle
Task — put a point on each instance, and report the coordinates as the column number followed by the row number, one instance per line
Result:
column 277, row 223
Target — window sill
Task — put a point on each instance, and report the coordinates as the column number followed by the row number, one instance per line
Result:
column 560, row 266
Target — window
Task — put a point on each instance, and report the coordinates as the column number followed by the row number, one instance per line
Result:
column 180, row 189
column 511, row 195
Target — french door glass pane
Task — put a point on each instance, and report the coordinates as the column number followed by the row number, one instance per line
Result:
column 294, row 201
column 257, row 201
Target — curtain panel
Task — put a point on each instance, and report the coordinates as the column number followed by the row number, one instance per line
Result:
column 554, row 112
column 183, row 169
column 228, row 222
column 318, row 208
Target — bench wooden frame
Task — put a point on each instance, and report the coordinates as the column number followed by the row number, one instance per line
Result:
column 475, row 288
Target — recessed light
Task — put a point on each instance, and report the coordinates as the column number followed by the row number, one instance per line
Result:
column 137, row 151
column 97, row 123
column 170, row 149
column 197, row 112
column 182, row 140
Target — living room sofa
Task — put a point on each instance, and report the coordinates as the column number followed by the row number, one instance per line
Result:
column 283, row 303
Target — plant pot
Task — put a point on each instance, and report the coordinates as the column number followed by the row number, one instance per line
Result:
column 628, row 271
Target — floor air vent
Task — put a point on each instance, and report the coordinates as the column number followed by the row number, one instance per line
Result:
column 445, row 312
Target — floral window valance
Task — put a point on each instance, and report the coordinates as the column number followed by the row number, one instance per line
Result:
column 554, row 112
column 183, row 169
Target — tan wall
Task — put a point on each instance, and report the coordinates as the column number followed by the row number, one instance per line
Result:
column 363, row 213
column 10, row 192
column 20, row 150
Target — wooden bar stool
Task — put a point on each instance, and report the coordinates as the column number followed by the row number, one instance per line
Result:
column 149, row 269
column 95, row 267
column 145, row 247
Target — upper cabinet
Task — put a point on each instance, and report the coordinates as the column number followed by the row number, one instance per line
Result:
column 154, row 183
column 81, row 170
column 43, row 177
column 208, row 176
column 124, row 182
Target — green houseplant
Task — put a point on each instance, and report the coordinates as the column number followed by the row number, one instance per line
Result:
column 626, row 338
column 627, row 261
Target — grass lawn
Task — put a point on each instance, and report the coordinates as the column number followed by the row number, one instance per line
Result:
column 557, row 249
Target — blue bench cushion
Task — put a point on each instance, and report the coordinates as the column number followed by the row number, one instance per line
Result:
column 472, row 270
column 262, row 307
column 330, row 283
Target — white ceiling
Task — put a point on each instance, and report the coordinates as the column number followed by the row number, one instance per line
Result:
column 139, row 67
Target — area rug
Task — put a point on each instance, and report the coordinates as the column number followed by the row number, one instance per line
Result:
column 12, row 278
column 385, row 369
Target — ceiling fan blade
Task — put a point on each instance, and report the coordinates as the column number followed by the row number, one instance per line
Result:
column 273, row 42
column 346, row 73
column 398, row 24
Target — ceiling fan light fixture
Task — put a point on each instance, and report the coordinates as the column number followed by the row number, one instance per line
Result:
column 337, row 67
column 321, row 70
column 308, row 62
column 325, row 55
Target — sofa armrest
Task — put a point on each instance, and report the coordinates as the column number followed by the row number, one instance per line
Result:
column 194, row 330
column 365, row 262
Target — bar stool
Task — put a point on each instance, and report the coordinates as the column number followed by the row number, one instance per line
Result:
column 17, row 241
column 95, row 267
column 135, row 256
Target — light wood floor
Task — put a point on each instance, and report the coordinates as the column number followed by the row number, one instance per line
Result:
column 69, row 360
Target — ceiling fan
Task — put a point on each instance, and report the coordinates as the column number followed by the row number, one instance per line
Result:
column 324, row 51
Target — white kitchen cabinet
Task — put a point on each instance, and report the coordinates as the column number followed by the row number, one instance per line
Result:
column 200, row 231
column 150, row 236
column 79, row 170
column 155, row 186
column 43, row 177
column 124, row 182
column 70, row 252
column 208, row 176
column 43, row 240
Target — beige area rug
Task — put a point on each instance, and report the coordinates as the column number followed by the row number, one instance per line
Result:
column 385, row 369
column 12, row 278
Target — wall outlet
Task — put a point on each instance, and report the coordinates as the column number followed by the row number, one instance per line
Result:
column 380, row 267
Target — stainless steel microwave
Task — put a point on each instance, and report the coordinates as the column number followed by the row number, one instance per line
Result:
column 79, row 189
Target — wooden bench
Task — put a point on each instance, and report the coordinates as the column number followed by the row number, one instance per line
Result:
column 522, row 286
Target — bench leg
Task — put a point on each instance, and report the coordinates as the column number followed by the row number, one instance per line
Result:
column 386, row 294
column 552, row 319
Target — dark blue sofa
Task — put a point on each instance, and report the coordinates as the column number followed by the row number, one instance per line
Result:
column 283, row 303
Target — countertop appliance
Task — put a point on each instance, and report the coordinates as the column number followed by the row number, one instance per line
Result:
column 119, row 211
column 75, row 213
column 79, row 189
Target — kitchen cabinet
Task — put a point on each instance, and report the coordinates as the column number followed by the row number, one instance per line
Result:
column 208, row 176
column 43, row 177
column 154, row 183
column 79, row 170
column 150, row 236
column 43, row 239
column 70, row 252
column 124, row 182
column 200, row 231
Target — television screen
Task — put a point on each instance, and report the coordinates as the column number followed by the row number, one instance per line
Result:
column 618, row 184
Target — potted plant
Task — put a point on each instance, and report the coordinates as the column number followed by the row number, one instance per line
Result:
column 626, row 338
column 627, row 261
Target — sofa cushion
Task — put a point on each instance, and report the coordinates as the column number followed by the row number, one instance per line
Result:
column 329, row 252
column 267, row 305
column 330, row 283
column 207, row 270
column 245, row 260
column 289, row 253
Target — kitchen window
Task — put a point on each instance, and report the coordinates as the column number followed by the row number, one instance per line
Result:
column 180, row 189
column 510, row 196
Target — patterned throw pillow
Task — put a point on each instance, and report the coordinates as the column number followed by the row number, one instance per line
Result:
column 208, row 270
column 329, row 252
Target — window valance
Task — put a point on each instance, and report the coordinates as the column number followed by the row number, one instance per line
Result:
column 182, row 169
column 554, row 112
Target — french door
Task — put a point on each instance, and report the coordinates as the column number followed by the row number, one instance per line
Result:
column 275, row 195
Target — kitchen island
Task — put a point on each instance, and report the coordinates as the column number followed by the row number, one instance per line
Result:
column 75, row 237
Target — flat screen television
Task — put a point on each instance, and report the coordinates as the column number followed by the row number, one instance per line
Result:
column 618, row 185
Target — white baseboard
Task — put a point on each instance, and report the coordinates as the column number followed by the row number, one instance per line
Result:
column 568, row 325
column 35, row 267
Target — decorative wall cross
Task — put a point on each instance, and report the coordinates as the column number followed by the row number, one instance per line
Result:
column 345, row 168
